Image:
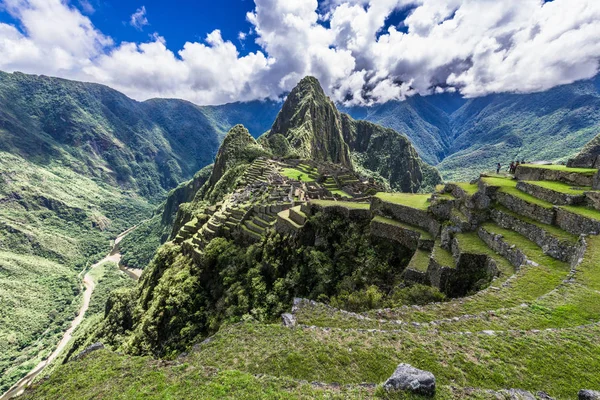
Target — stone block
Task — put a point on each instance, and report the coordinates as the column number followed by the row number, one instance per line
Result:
column 406, row 377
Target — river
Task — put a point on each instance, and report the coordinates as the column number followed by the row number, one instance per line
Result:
column 88, row 283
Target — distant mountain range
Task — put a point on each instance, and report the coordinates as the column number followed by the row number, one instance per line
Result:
column 152, row 146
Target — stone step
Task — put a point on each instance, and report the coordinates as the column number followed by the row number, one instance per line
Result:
column 255, row 228
column 213, row 225
column 285, row 225
column 552, row 240
column 251, row 234
column 409, row 236
column 297, row 215
column 506, row 193
column 556, row 193
column 260, row 222
column 416, row 270
column 411, row 209
column 559, row 173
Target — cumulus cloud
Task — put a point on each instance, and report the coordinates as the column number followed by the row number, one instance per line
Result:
column 475, row 47
column 138, row 19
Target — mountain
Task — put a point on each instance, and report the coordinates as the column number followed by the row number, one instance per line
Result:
column 149, row 147
column 589, row 155
column 79, row 164
column 310, row 126
column 464, row 137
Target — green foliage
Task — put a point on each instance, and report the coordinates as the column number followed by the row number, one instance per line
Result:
column 139, row 246
column 181, row 299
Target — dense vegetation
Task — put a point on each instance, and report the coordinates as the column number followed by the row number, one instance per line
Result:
column 181, row 300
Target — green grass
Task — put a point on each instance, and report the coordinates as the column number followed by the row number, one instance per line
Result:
column 108, row 375
column 443, row 256
column 509, row 186
column 583, row 171
column 561, row 187
column 470, row 189
column 293, row 173
column 424, row 234
column 419, row 261
column 587, row 212
column 418, row 201
column 346, row 204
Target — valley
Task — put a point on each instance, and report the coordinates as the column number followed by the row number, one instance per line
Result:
column 316, row 248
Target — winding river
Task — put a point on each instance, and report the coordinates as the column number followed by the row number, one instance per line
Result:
column 88, row 283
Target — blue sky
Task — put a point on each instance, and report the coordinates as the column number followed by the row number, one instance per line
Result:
column 362, row 51
column 178, row 21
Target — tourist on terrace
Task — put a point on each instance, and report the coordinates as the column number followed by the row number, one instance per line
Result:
column 498, row 168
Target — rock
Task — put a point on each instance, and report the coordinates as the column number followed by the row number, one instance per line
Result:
column 585, row 394
column 407, row 377
column 88, row 350
column 288, row 320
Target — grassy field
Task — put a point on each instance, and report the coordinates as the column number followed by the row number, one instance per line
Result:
column 347, row 204
column 564, row 168
column 293, row 173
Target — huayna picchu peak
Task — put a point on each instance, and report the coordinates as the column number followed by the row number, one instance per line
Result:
column 321, row 259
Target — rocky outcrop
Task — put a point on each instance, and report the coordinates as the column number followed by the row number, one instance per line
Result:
column 288, row 320
column 589, row 157
column 389, row 154
column 238, row 147
column 88, row 350
column 309, row 126
column 406, row 377
column 585, row 394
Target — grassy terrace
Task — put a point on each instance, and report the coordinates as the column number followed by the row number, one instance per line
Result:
column 551, row 229
column 346, row 204
column 561, row 187
column 583, row 211
column 419, row 261
column 293, row 173
column 442, row 256
column 424, row 234
column 509, row 186
column 418, row 201
column 341, row 193
column 584, row 171
column 469, row 188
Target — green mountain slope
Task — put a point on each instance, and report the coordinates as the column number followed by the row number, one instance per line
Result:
column 465, row 137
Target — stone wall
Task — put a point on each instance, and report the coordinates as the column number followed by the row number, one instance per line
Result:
column 406, row 237
column 558, row 198
column 415, row 276
column 515, row 256
column 527, row 173
column 562, row 250
column 412, row 216
column 592, row 199
column 576, row 224
column 531, row 210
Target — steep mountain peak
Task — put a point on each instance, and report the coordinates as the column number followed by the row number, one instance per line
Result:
column 309, row 126
column 234, row 149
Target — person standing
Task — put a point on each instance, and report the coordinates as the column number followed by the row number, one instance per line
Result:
column 498, row 168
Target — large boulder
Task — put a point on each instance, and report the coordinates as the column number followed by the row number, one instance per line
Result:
column 585, row 394
column 407, row 377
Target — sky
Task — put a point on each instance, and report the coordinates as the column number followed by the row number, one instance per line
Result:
column 363, row 51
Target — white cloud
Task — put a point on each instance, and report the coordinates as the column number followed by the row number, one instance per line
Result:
column 138, row 19
column 474, row 46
